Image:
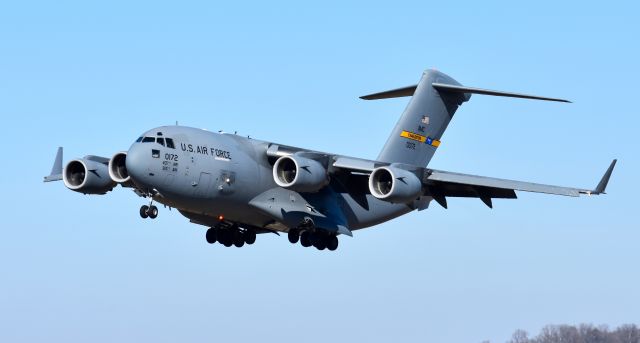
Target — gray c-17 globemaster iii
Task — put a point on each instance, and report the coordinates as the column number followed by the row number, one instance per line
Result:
column 239, row 187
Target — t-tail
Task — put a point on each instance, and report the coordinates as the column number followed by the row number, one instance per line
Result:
column 434, row 101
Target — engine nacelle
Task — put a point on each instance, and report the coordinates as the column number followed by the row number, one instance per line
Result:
column 118, row 168
column 87, row 176
column 300, row 174
column 394, row 185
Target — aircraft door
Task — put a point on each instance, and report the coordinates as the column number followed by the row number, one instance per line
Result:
column 202, row 188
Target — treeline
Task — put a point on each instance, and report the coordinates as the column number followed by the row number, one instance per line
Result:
column 583, row 333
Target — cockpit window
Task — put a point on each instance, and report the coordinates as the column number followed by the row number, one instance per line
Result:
column 148, row 139
column 160, row 141
column 170, row 143
column 139, row 140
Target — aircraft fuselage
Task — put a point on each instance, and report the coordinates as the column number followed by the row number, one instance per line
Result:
column 212, row 176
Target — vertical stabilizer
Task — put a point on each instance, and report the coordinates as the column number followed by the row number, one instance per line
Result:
column 417, row 134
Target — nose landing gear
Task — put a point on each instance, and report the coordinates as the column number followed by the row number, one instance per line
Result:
column 148, row 211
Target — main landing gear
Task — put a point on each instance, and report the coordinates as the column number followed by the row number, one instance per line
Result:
column 232, row 235
column 316, row 239
column 148, row 211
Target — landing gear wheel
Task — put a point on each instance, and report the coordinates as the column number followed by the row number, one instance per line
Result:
column 238, row 239
column 228, row 238
column 320, row 243
column 250, row 236
column 332, row 243
column 224, row 237
column 304, row 240
column 144, row 211
column 293, row 236
column 153, row 212
column 211, row 236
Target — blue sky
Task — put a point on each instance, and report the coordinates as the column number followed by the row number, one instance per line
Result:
column 92, row 76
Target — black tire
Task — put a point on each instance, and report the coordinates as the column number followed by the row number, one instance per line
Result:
column 144, row 211
column 332, row 243
column 227, row 237
column 293, row 236
column 223, row 236
column 211, row 236
column 153, row 212
column 238, row 238
column 320, row 244
column 250, row 237
column 304, row 240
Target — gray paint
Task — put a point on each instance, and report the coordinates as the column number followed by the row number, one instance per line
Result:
column 208, row 175
column 428, row 114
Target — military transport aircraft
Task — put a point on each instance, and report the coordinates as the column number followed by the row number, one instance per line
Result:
column 239, row 187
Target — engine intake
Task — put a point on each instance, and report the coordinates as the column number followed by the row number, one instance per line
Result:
column 394, row 185
column 87, row 176
column 300, row 174
column 118, row 168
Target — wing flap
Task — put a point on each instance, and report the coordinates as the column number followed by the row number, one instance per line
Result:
column 354, row 164
column 457, row 190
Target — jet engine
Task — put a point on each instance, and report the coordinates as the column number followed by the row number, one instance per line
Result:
column 394, row 185
column 87, row 176
column 118, row 169
column 300, row 174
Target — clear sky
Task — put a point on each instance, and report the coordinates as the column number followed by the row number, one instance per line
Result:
column 92, row 76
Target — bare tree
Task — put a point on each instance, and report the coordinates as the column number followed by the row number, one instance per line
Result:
column 583, row 333
column 628, row 333
column 519, row 336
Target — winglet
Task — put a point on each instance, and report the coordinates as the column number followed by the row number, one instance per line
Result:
column 602, row 185
column 56, row 170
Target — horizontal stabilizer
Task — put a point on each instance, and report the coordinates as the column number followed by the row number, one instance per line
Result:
column 394, row 93
column 462, row 89
column 442, row 87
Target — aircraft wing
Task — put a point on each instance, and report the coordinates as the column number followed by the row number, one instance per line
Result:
column 454, row 181
column 442, row 184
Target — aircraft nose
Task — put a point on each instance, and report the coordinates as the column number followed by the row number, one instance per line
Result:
column 136, row 162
